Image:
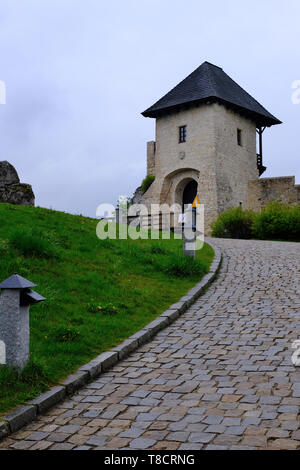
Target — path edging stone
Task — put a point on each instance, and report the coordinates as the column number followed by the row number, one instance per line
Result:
column 18, row 418
column 48, row 399
column 23, row 415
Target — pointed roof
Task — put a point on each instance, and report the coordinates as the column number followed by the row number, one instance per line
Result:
column 16, row 282
column 210, row 83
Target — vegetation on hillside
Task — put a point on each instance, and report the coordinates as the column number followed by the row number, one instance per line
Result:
column 146, row 183
column 99, row 292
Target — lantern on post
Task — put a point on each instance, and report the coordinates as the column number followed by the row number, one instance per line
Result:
column 189, row 232
column 15, row 301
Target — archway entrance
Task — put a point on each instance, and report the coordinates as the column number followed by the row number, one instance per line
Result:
column 189, row 193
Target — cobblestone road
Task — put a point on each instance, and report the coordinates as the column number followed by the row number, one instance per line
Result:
column 220, row 377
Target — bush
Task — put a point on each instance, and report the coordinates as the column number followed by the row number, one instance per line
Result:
column 278, row 222
column 146, row 183
column 30, row 244
column 234, row 223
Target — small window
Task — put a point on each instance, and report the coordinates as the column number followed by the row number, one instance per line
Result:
column 182, row 134
column 239, row 137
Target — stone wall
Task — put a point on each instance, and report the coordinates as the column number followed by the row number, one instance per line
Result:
column 235, row 164
column 151, row 148
column 11, row 190
column 264, row 190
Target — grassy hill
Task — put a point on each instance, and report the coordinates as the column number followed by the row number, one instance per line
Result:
column 98, row 292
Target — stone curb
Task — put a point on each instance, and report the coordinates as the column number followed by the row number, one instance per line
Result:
column 19, row 418
column 23, row 415
column 48, row 399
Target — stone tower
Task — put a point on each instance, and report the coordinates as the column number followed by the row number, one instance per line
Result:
column 206, row 143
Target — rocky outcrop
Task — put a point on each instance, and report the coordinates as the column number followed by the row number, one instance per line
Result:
column 11, row 190
column 138, row 197
column 8, row 174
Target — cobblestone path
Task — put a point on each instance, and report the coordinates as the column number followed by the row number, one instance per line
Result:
column 220, row 377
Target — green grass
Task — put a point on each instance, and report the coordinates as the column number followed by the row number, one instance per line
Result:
column 98, row 292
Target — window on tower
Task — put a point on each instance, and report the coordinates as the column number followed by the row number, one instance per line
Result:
column 182, row 134
column 239, row 137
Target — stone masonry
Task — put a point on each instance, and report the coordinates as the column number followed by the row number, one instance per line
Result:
column 219, row 377
column 264, row 190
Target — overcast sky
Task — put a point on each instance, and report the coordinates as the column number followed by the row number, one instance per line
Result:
column 79, row 73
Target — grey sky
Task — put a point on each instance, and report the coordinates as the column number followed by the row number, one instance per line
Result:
column 78, row 74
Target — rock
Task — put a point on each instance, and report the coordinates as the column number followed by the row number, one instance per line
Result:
column 20, row 194
column 11, row 190
column 138, row 196
column 8, row 174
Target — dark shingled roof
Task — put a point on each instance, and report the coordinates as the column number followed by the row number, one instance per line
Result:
column 210, row 83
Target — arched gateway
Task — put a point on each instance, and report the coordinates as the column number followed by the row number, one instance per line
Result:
column 189, row 193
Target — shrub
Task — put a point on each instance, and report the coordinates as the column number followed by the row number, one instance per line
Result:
column 278, row 222
column 124, row 202
column 146, row 183
column 234, row 223
column 30, row 244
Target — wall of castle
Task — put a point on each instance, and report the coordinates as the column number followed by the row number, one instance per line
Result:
column 264, row 190
column 151, row 149
column 235, row 164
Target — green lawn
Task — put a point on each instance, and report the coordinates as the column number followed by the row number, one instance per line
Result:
column 98, row 292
